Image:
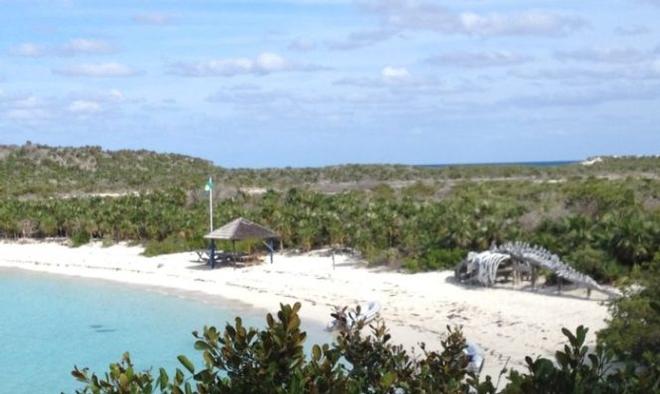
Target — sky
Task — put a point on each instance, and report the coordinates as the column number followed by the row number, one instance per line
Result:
column 315, row 82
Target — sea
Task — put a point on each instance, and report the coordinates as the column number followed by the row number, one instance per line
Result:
column 557, row 163
column 49, row 323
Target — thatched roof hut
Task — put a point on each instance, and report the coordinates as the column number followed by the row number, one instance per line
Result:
column 241, row 229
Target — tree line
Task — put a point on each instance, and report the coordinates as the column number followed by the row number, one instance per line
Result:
column 604, row 228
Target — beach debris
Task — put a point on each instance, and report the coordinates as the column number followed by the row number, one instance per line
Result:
column 475, row 357
column 364, row 313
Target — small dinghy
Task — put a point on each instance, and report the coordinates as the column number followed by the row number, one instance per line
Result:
column 368, row 312
column 475, row 357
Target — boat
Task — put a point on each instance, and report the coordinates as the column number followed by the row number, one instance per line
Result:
column 475, row 357
column 368, row 312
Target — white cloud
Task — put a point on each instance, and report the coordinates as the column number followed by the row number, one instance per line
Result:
column 79, row 106
column 26, row 102
column 604, row 55
column 77, row 46
column 572, row 76
column 631, row 30
column 97, row 70
column 479, row 59
column 27, row 109
column 153, row 18
column 248, row 96
column 270, row 62
column 302, row 45
column 538, row 23
column 420, row 15
column 395, row 74
column 360, row 39
column 28, row 49
column 116, row 95
column 588, row 97
column 86, row 46
column 265, row 63
column 400, row 84
column 84, row 107
column 27, row 115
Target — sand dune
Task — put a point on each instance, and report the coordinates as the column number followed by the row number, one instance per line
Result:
column 506, row 322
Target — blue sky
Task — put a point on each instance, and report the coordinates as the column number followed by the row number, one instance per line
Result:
column 314, row 82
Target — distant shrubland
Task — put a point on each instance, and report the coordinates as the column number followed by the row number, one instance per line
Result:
column 33, row 171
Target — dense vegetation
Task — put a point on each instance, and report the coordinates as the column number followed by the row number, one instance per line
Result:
column 633, row 332
column 604, row 227
column 37, row 170
column 604, row 219
column 272, row 360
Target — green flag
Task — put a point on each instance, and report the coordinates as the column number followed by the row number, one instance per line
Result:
column 209, row 185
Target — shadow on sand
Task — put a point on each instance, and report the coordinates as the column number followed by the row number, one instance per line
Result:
column 568, row 290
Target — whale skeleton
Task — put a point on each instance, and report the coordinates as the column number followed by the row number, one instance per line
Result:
column 482, row 268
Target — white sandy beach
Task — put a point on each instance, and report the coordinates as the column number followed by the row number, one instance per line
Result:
column 505, row 322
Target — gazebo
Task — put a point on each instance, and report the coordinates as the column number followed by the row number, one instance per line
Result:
column 238, row 230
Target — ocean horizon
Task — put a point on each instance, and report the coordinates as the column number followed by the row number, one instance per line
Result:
column 551, row 163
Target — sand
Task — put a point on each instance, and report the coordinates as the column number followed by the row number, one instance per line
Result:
column 507, row 323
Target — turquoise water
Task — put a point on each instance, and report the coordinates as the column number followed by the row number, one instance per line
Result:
column 49, row 323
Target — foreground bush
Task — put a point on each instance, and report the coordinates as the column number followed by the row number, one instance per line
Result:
column 633, row 332
column 272, row 360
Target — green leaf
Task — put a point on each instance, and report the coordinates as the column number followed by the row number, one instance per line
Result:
column 316, row 352
column 201, row 345
column 581, row 335
column 387, row 379
column 186, row 363
column 570, row 336
column 123, row 381
column 178, row 377
column 163, row 379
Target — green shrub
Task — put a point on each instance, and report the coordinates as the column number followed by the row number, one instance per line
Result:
column 390, row 257
column 172, row 244
column 441, row 259
column 633, row 332
column 596, row 263
column 80, row 237
column 272, row 360
column 411, row 265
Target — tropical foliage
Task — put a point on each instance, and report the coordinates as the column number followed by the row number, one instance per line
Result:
column 272, row 360
column 633, row 332
column 604, row 227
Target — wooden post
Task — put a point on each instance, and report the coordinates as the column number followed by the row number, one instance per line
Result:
column 559, row 283
column 270, row 246
column 212, row 254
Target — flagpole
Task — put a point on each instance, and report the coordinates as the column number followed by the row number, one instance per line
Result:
column 211, row 203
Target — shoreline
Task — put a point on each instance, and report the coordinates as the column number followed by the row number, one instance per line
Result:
column 507, row 323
